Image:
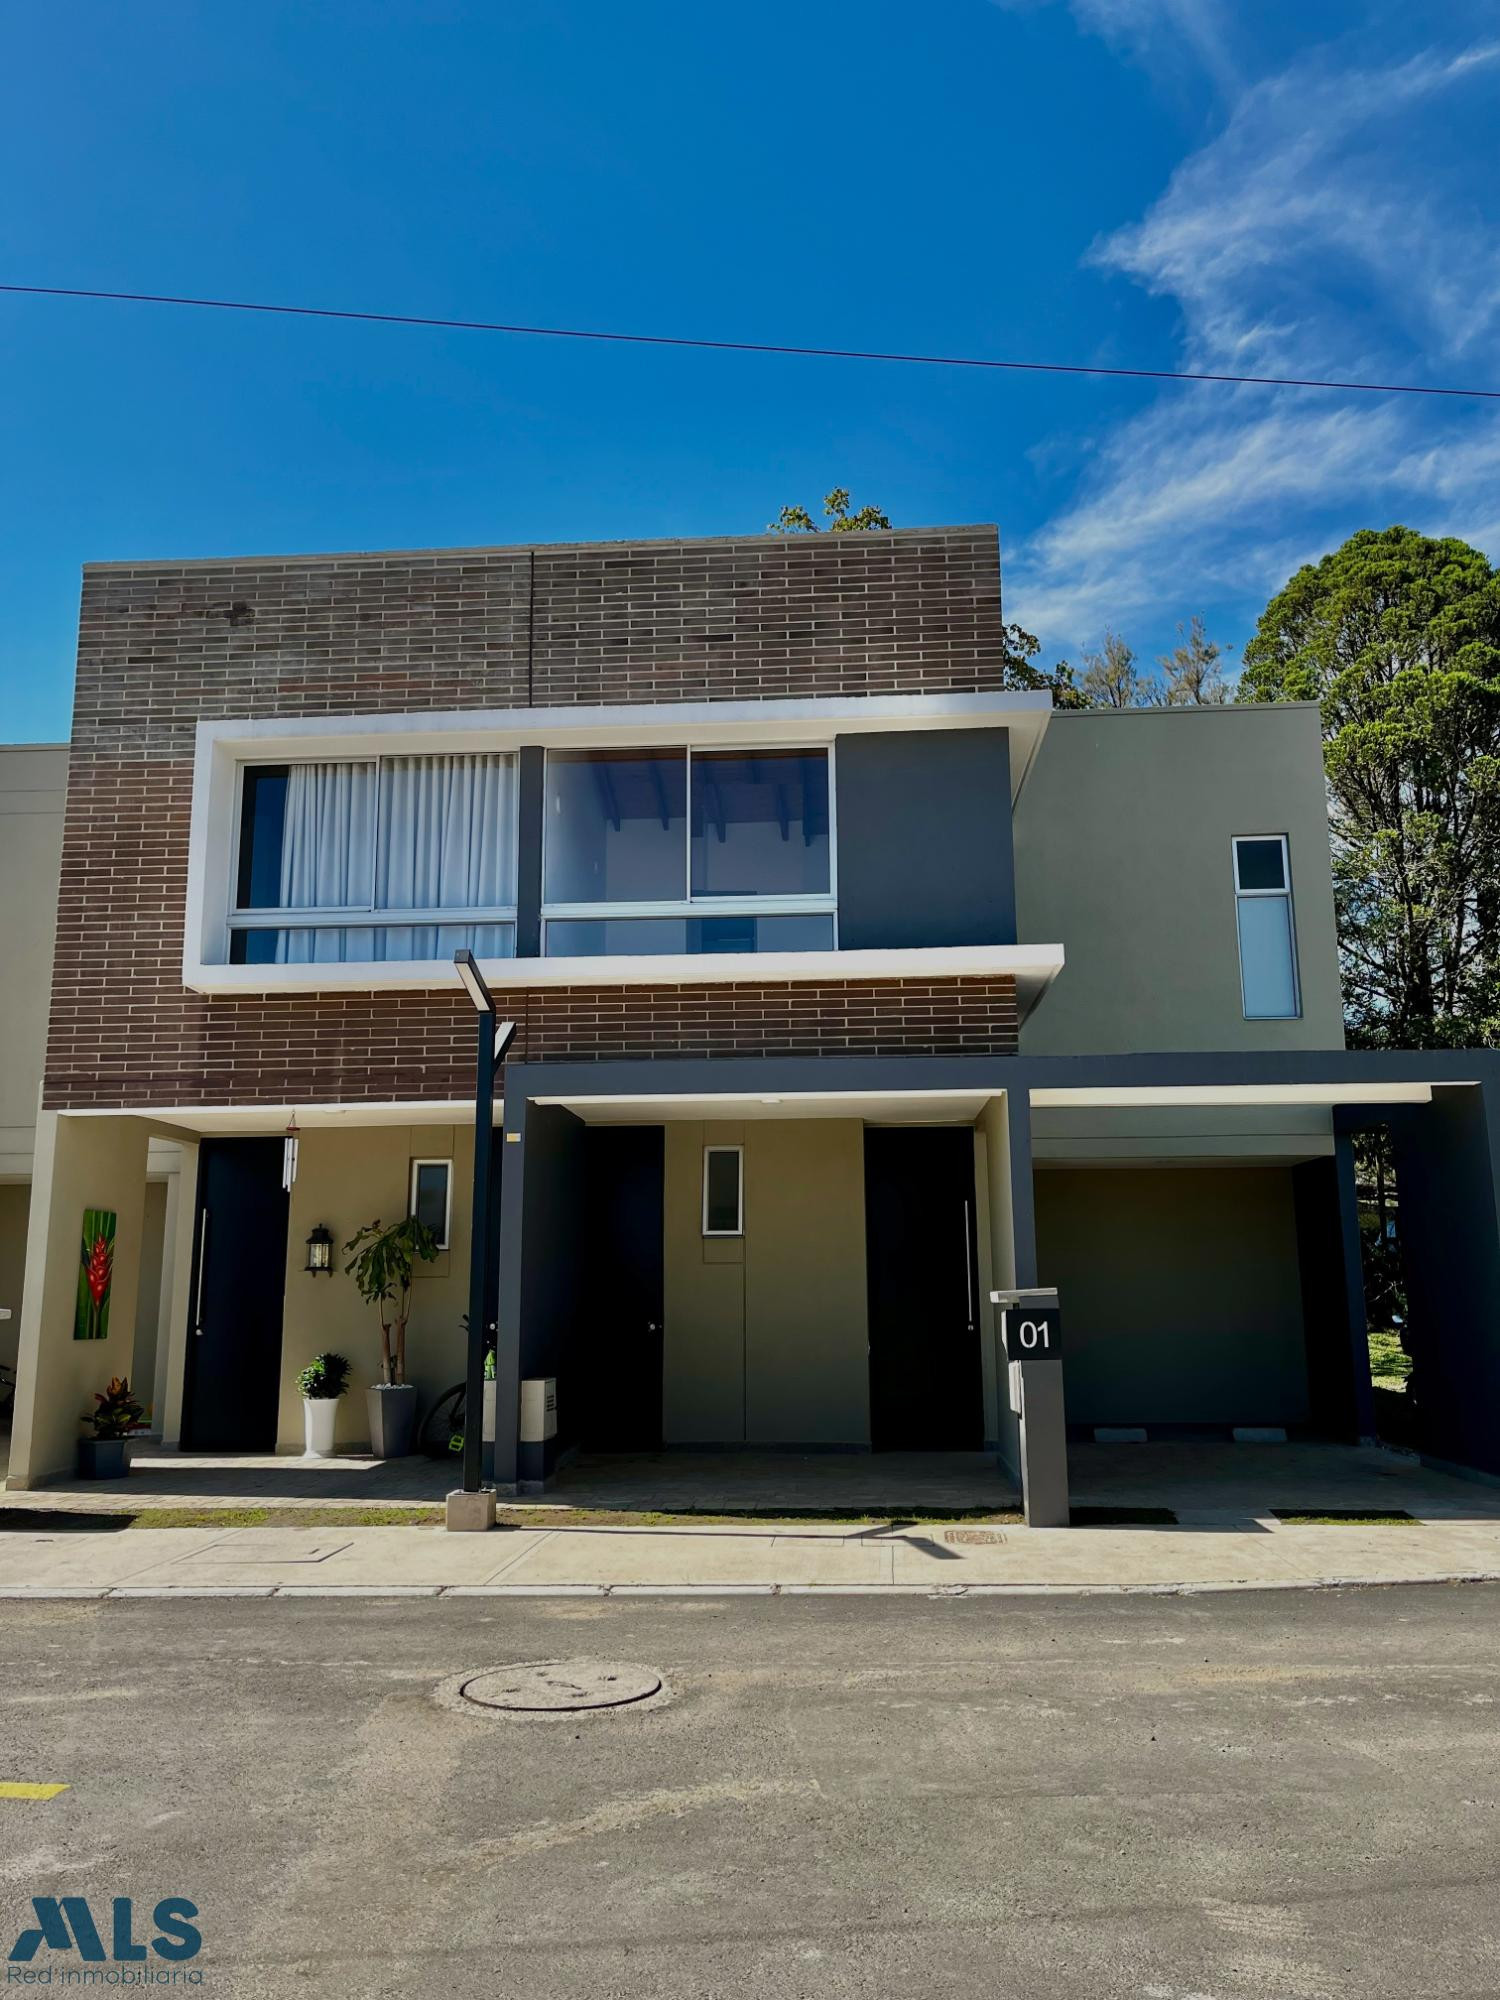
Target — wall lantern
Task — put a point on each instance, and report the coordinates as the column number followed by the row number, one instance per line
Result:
column 320, row 1252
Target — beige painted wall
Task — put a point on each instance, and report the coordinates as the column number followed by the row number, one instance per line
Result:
column 80, row 1163
column 344, row 1180
column 1123, row 833
column 1179, row 1292
column 33, row 780
column 149, row 1298
column 171, row 1350
column 15, row 1203
column 766, row 1336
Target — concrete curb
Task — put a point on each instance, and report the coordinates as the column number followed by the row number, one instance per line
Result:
column 951, row 1592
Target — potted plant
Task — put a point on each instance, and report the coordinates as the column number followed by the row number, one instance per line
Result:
column 381, row 1260
column 114, row 1416
column 322, row 1382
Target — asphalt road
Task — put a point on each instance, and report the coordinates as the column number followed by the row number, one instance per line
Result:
column 1266, row 1795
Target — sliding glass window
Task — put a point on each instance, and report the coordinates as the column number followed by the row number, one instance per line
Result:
column 674, row 850
column 374, row 859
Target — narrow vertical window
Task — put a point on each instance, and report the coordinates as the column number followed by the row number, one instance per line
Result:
column 1268, row 943
column 723, row 1190
column 432, row 1197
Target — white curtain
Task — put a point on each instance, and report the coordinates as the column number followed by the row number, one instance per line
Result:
column 446, row 842
column 442, row 838
column 327, row 858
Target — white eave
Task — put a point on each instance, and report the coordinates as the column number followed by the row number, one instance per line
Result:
column 803, row 719
column 1032, row 966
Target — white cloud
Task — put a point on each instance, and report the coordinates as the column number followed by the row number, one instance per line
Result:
column 1158, row 33
column 1321, row 233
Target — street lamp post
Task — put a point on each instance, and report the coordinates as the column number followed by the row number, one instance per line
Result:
column 494, row 1038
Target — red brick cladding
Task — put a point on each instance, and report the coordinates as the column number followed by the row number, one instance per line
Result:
column 163, row 645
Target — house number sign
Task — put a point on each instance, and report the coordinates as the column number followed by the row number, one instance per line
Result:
column 1031, row 1333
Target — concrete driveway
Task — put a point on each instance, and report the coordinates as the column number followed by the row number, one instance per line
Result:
column 1224, row 1483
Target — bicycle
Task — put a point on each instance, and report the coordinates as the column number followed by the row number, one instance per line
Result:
column 442, row 1431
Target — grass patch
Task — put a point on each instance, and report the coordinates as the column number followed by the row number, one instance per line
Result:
column 422, row 1514
column 768, row 1517
column 1336, row 1517
column 419, row 1515
column 1122, row 1517
column 1390, row 1364
column 48, row 1521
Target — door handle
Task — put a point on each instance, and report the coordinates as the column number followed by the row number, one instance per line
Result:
column 968, row 1269
column 652, row 1327
column 202, row 1261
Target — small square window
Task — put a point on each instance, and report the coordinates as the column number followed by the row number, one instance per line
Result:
column 723, row 1191
column 1260, row 864
column 432, row 1196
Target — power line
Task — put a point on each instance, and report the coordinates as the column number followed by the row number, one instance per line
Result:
column 750, row 346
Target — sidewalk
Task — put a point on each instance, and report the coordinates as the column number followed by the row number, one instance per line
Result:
column 927, row 1559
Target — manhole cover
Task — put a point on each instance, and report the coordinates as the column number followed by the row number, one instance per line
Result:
column 974, row 1538
column 561, row 1687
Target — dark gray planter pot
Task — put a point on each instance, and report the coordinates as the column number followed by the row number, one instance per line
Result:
column 393, row 1420
column 102, row 1458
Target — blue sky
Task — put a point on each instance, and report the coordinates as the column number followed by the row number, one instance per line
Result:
column 1288, row 188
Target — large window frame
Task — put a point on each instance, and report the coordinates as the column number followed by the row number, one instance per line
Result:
column 1283, row 893
column 689, row 906
column 356, row 916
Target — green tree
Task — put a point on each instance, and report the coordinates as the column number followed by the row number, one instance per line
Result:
column 1397, row 637
column 1021, row 649
column 1111, row 678
column 797, row 520
column 1192, row 673
column 382, row 1259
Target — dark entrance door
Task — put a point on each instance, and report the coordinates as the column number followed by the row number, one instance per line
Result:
column 233, row 1376
column 621, row 1337
column 926, row 1379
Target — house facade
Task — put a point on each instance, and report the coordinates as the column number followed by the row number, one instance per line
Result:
column 849, row 984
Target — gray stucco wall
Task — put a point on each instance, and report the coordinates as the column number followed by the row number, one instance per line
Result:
column 924, row 838
column 1122, row 835
column 1180, row 1293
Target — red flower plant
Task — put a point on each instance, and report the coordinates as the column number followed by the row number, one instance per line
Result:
column 98, row 1271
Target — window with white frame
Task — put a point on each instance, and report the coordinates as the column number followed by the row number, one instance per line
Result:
column 432, row 1197
column 374, row 858
column 679, row 850
column 723, row 1190
column 1267, row 933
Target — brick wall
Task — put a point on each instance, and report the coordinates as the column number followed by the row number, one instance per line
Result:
column 368, row 1047
column 161, row 645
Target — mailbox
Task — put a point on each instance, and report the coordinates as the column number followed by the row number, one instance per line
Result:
column 1031, row 1330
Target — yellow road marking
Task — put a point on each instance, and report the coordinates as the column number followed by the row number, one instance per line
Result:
column 12, row 1790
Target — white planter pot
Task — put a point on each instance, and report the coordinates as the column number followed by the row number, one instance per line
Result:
column 319, row 1414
